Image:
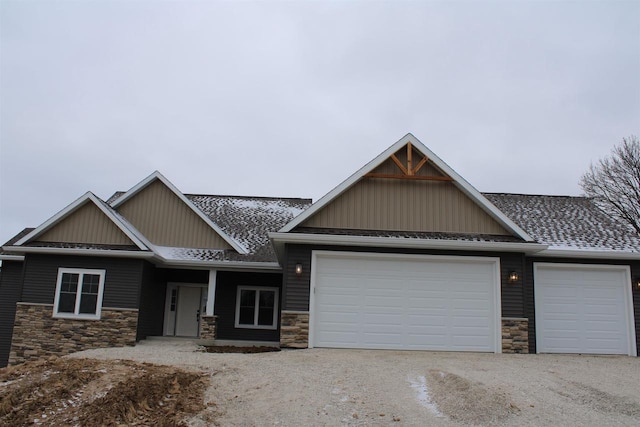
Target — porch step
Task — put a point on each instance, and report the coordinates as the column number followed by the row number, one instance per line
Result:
column 198, row 341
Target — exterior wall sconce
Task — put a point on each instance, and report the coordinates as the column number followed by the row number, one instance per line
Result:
column 513, row 277
column 636, row 283
column 298, row 269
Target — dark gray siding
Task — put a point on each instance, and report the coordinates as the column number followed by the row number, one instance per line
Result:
column 152, row 299
column 296, row 287
column 122, row 279
column 226, row 292
column 512, row 293
column 529, row 298
column 10, row 291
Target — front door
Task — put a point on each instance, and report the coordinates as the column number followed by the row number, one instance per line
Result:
column 182, row 313
column 188, row 313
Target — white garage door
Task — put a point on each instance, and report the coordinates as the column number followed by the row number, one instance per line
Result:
column 382, row 301
column 583, row 309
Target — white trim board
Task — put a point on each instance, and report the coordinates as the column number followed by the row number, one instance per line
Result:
column 458, row 181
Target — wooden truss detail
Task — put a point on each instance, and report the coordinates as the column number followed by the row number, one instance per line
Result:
column 408, row 170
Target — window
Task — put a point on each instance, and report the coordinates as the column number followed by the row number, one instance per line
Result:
column 257, row 307
column 79, row 293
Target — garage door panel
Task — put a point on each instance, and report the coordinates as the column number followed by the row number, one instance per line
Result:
column 422, row 303
column 582, row 309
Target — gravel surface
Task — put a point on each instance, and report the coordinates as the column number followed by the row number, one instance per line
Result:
column 364, row 387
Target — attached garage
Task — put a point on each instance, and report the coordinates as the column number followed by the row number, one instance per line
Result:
column 583, row 309
column 404, row 302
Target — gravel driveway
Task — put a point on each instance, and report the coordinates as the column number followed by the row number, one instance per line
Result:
column 365, row 387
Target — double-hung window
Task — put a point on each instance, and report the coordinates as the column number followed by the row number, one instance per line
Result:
column 257, row 307
column 79, row 293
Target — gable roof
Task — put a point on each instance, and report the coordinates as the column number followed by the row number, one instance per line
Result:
column 118, row 201
column 88, row 197
column 567, row 223
column 447, row 171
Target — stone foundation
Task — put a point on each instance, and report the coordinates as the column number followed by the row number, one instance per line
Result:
column 37, row 334
column 294, row 329
column 515, row 335
column 208, row 329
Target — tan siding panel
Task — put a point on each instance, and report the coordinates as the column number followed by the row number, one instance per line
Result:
column 405, row 205
column 167, row 221
column 88, row 224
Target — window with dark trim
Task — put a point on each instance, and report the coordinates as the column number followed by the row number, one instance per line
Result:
column 257, row 307
column 79, row 293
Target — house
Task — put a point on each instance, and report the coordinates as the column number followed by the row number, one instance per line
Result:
column 404, row 254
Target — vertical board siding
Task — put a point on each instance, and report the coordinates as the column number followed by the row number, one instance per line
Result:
column 10, row 291
column 152, row 300
column 405, row 205
column 529, row 298
column 122, row 279
column 167, row 221
column 87, row 224
column 226, row 292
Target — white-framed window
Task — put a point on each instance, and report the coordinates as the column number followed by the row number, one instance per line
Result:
column 79, row 293
column 257, row 307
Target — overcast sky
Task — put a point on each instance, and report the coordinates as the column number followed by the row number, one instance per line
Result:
column 290, row 98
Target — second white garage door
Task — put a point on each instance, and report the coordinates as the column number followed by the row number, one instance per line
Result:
column 583, row 309
column 388, row 301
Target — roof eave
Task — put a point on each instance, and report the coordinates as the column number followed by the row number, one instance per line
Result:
column 6, row 257
column 79, row 251
column 589, row 254
column 279, row 238
column 222, row 265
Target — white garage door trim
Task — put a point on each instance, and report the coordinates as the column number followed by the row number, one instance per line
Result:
column 492, row 261
column 628, row 299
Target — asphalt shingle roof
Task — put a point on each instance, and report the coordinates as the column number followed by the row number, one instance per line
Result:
column 566, row 222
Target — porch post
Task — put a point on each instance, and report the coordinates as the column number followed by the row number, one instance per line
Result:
column 211, row 294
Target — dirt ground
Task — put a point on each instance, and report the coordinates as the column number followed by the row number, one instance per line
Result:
column 86, row 392
column 362, row 388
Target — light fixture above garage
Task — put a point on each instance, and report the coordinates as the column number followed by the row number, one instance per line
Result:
column 298, row 269
column 513, row 276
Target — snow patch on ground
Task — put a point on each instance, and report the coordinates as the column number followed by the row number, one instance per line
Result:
column 419, row 384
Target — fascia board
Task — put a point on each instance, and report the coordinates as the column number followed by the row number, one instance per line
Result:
column 403, row 242
column 83, row 252
column 223, row 265
column 86, row 197
column 590, row 254
column 157, row 175
column 6, row 257
column 458, row 181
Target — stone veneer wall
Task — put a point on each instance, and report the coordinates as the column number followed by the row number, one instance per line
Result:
column 515, row 335
column 294, row 329
column 36, row 333
column 208, row 330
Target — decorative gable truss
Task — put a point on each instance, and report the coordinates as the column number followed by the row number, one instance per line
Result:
column 408, row 164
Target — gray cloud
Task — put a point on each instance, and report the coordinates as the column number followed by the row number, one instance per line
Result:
column 288, row 99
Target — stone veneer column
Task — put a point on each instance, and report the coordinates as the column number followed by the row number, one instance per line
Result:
column 515, row 335
column 294, row 329
column 208, row 327
column 36, row 333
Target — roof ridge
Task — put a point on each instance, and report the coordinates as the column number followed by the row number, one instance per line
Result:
column 489, row 193
column 231, row 196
